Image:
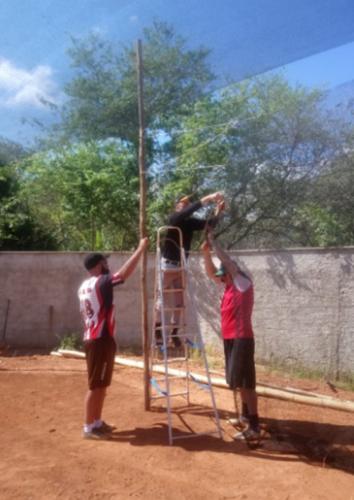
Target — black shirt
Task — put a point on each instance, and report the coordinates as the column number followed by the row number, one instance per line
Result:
column 187, row 225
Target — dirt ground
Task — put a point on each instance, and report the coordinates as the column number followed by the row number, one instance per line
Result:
column 306, row 452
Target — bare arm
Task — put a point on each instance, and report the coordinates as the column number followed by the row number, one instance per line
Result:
column 230, row 265
column 217, row 197
column 129, row 266
column 208, row 262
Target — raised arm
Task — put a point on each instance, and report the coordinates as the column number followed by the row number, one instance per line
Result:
column 208, row 262
column 213, row 221
column 229, row 264
column 129, row 266
column 177, row 217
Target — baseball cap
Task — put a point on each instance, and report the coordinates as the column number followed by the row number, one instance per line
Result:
column 221, row 271
column 92, row 259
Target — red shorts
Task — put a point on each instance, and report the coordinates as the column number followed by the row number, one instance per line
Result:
column 100, row 361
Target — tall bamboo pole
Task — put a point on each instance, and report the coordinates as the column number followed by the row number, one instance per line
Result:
column 142, row 225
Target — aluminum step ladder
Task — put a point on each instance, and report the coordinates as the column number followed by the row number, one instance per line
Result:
column 172, row 301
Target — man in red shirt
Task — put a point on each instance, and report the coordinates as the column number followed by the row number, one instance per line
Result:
column 97, row 309
column 237, row 333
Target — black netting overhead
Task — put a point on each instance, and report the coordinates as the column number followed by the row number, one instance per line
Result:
column 246, row 37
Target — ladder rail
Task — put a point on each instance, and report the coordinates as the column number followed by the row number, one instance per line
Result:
column 206, row 363
column 159, row 295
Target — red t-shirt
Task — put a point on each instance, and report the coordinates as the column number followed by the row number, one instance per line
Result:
column 236, row 309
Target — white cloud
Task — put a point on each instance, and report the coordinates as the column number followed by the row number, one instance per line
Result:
column 133, row 19
column 19, row 87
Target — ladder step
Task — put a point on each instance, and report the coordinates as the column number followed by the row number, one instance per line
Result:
column 170, row 377
column 196, row 434
column 181, row 308
column 170, row 290
column 174, row 395
column 169, row 326
column 172, row 270
column 180, row 335
column 176, row 360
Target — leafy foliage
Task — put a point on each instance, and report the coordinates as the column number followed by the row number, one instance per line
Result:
column 264, row 144
column 19, row 230
column 103, row 93
column 284, row 163
column 86, row 194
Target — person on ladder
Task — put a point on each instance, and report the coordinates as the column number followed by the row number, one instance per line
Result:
column 182, row 217
column 237, row 333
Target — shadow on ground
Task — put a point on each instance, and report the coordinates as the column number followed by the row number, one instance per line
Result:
column 318, row 444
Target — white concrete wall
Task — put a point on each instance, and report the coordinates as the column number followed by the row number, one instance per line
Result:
column 304, row 302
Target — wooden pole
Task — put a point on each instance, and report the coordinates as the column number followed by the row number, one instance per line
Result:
column 142, row 225
column 3, row 340
column 311, row 399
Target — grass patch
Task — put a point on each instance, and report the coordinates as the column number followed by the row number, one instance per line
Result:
column 72, row 342
column 129, row 351
column 342, row 380
column 214, row 356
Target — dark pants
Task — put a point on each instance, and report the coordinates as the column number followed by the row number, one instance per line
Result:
column 100, row 361
column 240, row 370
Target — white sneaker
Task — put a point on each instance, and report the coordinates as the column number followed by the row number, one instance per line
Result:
column 248, row 435
column 240, row 421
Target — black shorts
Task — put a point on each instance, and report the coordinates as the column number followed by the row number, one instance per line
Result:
column 100, row 361
column 240, row 370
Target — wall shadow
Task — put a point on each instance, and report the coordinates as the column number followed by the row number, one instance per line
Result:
column 282, row 268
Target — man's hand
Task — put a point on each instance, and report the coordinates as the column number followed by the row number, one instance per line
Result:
column 143, row 243
column 220, row 207
column 219, row 197
column 210, row 238
column 205, row 247
column 212, row 198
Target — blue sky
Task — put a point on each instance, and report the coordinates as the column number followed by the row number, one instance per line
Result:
column 245, row 36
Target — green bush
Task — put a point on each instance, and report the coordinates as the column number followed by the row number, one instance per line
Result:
column 72, row 341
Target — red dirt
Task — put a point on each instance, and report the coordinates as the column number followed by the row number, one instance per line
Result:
column 306, row 453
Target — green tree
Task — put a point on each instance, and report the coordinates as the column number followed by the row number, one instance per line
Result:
column 319, row 227
column 85, row 194
column 331, row 213
column 19, row 230
column 102, row 96
column 262, row 142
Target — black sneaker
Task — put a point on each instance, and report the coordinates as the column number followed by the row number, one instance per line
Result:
column 105, row 428
column 175, row 339
column 158, row 335
column 248, row 435
column 176, row 342
column 95, row 435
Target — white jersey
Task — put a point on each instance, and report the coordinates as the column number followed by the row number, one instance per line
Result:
column 96, row 305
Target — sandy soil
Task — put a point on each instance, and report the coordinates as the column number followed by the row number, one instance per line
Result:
column 305, row 453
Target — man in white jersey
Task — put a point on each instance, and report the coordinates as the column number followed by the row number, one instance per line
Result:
column 97, row 309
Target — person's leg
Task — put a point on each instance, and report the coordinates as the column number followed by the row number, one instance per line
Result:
column 249, row 398
column 94, row 404
column 177, row 303
column 244, row 377
column 167, row 298
column 100, row 361
column 157, row 312
column 171, row 280
column 177, row 284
